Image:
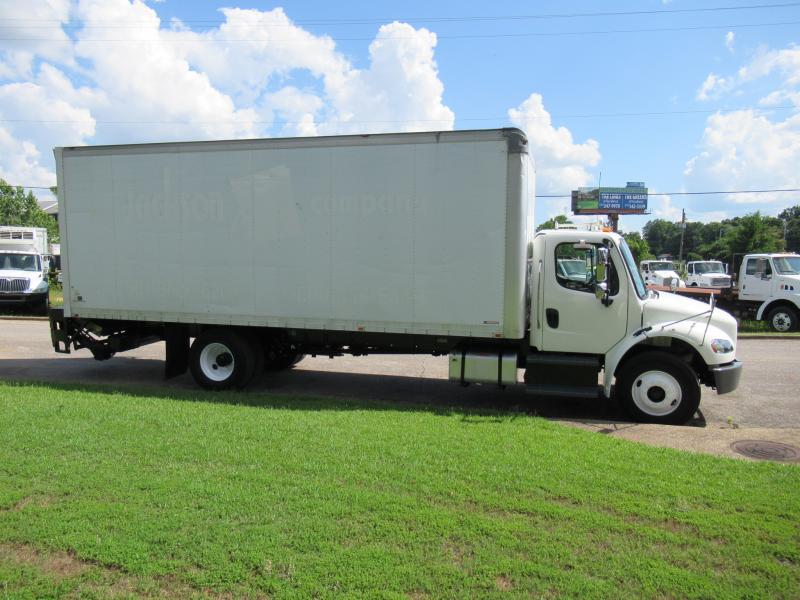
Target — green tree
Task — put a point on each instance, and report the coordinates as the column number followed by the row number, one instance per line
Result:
column 551, row 223
column 639, row 246
column 754, row 233
column 21, row 209
column 664, row 237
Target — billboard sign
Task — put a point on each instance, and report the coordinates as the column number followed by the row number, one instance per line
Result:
column 631, row 199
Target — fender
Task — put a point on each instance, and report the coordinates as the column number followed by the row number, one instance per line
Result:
column 689, row 332
column 767, row 303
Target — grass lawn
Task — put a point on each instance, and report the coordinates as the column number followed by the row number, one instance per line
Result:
column 182, row 494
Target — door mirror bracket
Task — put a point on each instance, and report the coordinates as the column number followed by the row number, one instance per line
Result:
column 601, row 291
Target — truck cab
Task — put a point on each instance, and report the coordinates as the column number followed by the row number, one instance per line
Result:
column 652, row 347
column 660, row 272
column 23, row 268
column 773, row 282
column 707, row 274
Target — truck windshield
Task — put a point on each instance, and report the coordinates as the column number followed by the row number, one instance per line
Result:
column 787, row 265
column 18, row 262
column 641, row 290
column 662, row 266
column 708, row 267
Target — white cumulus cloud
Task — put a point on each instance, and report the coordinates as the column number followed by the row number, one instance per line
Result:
column 561, row 163
column 751, row 149
column 729, row 40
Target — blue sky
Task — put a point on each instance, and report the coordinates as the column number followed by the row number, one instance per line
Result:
column 724, row 84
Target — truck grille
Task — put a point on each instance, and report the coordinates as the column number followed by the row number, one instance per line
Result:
column 13, row 285
column 719, row 281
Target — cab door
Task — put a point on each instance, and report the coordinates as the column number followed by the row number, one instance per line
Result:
column 574, row 320
column 757, row 280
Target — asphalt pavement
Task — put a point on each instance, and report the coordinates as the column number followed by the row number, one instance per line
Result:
column 765, row 407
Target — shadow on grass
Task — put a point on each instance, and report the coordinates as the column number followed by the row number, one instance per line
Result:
column 303, row 389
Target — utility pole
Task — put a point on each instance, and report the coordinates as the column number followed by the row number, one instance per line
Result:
column 683, row 230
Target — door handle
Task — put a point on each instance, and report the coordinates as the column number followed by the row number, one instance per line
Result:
column 552, row 317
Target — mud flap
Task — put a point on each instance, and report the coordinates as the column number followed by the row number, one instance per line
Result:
column 177, row 354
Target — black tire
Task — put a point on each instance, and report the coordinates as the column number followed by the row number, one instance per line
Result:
column 783, row 319
column 222, row 359
column 257, row 347
column 671, row 394
column 282, row 362
column 693, row 284
column 43, row 307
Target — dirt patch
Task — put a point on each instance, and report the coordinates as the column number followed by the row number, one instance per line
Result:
column 38, row 501
column 503, row 583
column 107, row 581
column 56, row 565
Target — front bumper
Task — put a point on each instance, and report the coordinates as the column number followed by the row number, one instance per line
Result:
column 7, row 299
column 726, row 377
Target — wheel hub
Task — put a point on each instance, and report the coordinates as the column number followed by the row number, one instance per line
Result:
column 781, row 322
column 217, row 362
column 656, row 393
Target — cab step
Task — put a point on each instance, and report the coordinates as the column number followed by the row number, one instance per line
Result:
column 564, row 391
column 546, row 373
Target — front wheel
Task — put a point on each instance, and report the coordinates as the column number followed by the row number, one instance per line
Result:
column 656, row 387
column 783, row 319
column 222, row 359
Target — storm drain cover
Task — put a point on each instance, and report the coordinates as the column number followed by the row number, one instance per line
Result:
column 763, row 450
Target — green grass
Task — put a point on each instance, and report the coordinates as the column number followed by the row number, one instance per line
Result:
column 56, row 295
column 177, row 494
column 762, row 328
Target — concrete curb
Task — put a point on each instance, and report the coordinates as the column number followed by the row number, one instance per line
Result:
column 768, row 336
column 22, row 318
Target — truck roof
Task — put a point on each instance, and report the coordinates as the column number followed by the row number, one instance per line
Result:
column 516, row 139
column 569, row 235
column 770, row 255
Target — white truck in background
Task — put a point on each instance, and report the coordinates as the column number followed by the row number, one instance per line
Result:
column 707, row 274
column 23, row 268
column 769, row 285
column 660, row 272
column 767, row 289
column 245, row 255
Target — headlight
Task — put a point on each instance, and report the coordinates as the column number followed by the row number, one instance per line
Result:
column 42, row 287
column 721, row 346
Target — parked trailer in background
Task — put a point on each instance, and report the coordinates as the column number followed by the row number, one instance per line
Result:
column 248, row 253
column 23, row 268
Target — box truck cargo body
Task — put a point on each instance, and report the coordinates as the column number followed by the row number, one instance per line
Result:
column 380, row 233
column 246, row 255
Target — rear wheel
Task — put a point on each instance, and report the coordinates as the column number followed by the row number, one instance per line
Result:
column 783, row 319
column 222, row 359
column 657, row 387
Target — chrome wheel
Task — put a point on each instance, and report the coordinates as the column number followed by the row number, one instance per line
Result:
column 781, row 321
column 216, row 362
column 656, row 393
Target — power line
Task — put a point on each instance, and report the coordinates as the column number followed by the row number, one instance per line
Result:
column 466, row 19
column 690, row 193
column 767, row 191
column 389, row 38
column 279, row 122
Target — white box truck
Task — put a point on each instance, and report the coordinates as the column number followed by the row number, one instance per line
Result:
column 23, row 268
column 245, row 255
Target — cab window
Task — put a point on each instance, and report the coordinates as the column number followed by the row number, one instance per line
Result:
column 576, row 268
column 758, row 266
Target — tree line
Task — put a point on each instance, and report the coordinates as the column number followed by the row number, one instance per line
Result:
column 22, row 210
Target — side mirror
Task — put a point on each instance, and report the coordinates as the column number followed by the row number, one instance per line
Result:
column 601, row 277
